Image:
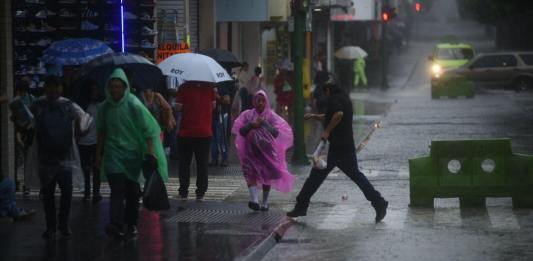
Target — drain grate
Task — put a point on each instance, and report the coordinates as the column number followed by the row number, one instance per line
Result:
column 232, row 216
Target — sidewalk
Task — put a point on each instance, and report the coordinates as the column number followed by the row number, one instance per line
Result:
column 219, row 228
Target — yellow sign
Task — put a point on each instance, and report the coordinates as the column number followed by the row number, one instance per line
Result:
column 166, row 50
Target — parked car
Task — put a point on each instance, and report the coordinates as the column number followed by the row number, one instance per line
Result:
column 513, row 69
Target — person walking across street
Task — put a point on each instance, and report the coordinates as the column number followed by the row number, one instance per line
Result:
column 219, row 143
column 359, row 72
column 87, row 143
column 56, row 119
column 160, row 110
column 127, row 132
column 338, row 131
column 196, row 102
column 262, row 138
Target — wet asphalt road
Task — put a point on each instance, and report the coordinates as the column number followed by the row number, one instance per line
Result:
column 337, row 229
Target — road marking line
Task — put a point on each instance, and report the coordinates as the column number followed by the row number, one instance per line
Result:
column 503, row 218
column 340, row 217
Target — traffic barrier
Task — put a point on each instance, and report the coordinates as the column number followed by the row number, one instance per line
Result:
column 471, row 170
column 452, row 87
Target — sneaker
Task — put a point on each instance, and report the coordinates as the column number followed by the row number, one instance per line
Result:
column 297, row 212
column 49, row 234
column 224, row 163
column 88, row 26
column 66, row 13
column 131, row 230
column 47, row 28
column 65, row 231
column 32, row 28
column 114, row 230
column 253, row 206
column 66, row 2
column 88, row 12
column 148, row 31
column 200, row 196
column 20, row 28
column 129, row 16
column 97, row 199
column 381, row 210
column 147, row 3
column 21, row 70
column 44, row 42
column 146, row 17
column 264, row 208
column 44, row 13
column 21, row 13
column 24, row 214
column 111, row 2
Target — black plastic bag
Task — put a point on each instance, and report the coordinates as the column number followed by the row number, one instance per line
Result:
column 155, row 197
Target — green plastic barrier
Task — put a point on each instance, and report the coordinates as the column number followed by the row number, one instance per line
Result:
column 453, row 86
column 471, row 170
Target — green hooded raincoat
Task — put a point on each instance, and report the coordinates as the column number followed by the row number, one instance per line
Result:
column 127, row 125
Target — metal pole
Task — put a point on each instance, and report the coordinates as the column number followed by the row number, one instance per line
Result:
column 299, row 156
column 384, row 57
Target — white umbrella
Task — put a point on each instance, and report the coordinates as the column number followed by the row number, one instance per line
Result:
column 193, row 67
column 350, row 53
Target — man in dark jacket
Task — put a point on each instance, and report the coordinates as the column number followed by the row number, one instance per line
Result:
column 338, row 131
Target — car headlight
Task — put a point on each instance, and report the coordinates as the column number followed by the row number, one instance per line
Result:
column 436, row 69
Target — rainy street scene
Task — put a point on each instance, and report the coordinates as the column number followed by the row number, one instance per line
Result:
column 157, row 130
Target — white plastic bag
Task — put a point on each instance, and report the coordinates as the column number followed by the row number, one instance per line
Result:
column 320, row 156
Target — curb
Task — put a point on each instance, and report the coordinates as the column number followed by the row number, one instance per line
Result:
column 259, row 251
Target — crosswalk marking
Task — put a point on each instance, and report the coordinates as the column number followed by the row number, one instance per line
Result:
column 503, row 218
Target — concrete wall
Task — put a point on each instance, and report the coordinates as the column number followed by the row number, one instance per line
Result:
column 7, row 153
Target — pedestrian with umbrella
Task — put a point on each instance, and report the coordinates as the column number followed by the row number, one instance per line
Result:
column 357, row 54
column 196, row 100
column 71, row 54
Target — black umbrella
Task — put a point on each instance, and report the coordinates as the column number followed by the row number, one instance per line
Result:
column 141, row 73
column 224, row 57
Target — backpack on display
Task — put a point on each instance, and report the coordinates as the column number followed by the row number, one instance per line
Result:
column 54, row 128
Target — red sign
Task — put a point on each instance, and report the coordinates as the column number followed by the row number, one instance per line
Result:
column 166, row 50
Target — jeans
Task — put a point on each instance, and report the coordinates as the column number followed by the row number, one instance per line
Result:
column 347, row 162
column 87, row 155
column 123, row 189
column 50, row 176
column 200, row 148
column 219, row 143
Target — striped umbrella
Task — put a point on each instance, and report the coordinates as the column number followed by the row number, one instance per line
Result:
column 141, row 72
column 74, row 51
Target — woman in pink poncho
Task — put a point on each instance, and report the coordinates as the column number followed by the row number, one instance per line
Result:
column 262, row 139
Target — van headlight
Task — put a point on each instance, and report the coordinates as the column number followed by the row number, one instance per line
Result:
column 436, row 69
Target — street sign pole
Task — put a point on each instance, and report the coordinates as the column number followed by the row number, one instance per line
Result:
column 299, row 13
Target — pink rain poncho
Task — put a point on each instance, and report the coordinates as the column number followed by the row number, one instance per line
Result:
column 261, row 154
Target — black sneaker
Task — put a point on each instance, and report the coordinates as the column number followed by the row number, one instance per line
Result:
column 49, row 234
column 297, row 212
column 264, row 208
column 114, row 230
column 224, row 163
column 381, row 210
column 65, row 231
column 132, row 230
column 254, row 206
column 97, row 199
column 200, row 196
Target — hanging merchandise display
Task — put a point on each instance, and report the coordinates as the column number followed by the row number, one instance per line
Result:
column 124, row 25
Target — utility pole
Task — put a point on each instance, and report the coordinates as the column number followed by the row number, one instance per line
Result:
column 299, row 12
column 386, row 15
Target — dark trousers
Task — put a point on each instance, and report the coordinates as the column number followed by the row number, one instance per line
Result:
column 123, row 189
column 347, row 162
column 200, row 148
column 50, row 176
column 87, row 154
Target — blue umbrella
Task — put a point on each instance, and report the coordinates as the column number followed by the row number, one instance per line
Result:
column 74, row 51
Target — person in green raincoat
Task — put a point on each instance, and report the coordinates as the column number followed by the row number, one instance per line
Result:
column 126, row 133
column 359, row 71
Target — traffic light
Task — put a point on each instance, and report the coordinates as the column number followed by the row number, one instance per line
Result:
column 386, row 13
column 418, row 7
